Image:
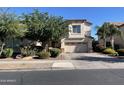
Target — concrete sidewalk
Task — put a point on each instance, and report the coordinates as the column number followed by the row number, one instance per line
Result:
column 58, row 65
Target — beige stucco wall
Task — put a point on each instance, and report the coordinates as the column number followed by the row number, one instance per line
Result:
column 90, row 45
column 121, row 38
column 118, row 40
column 84, row 29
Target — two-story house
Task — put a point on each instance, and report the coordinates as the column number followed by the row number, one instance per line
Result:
column 79, row 38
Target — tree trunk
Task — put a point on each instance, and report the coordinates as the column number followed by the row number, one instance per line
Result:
column 45, row 46
column 104, row 42
column 104, row 39
column 1, row 50
column 112, row 42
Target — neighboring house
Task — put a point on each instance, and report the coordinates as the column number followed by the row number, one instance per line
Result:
column 79, row 38
column 118, row 39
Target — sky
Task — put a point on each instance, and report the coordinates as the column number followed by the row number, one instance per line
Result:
column 96, row 15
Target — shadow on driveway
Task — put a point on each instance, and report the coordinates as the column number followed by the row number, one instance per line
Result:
column 104, row 59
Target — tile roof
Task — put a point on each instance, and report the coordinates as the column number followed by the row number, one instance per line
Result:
column 117, row 23
column 79, row 21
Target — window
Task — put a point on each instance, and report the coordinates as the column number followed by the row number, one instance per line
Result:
column 76, row 28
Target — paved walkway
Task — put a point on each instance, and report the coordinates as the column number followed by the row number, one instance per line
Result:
column 59, row 65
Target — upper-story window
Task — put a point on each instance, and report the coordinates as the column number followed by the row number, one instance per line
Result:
column 76, row 28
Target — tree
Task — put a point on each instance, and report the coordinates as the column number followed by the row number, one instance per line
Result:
column 113, row 30
column 103, row 31
column 108, row 30
column 44, row 28
column 10, row 27
column 57, row 29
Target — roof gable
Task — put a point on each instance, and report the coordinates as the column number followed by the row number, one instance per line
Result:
column 78, row 21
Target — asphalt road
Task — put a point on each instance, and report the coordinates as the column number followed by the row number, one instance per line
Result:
column 64, row 77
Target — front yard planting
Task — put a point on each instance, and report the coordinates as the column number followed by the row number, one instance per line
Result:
column 19, row 35
column 54, row 52
column 110, row 51
column 43, row 55
column 120, row 52
column 27, row 51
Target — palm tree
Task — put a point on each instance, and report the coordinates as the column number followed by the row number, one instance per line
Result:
column 113, row 30
column 102, row 31
column 108, row 30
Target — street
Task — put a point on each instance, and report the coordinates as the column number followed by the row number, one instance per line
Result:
column 63, row 77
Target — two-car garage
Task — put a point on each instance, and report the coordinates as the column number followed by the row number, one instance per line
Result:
column 76, row 47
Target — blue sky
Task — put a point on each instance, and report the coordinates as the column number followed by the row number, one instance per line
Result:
column 96, row 15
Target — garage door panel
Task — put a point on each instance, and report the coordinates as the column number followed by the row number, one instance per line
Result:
column 76, row 48
column 81, row 48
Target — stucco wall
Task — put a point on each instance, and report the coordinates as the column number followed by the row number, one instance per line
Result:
column 84, row 29
column 118, row 39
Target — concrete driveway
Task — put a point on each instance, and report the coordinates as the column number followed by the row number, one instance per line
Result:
column 82, row 56
column 90, row 57
column 93, row 61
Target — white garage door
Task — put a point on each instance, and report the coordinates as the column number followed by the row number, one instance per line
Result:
column 77, row 48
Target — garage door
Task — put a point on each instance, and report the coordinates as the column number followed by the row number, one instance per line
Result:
column 75, row 47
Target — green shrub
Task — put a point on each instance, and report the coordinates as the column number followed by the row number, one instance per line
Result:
column 110, row 51
column 98, row 48
column 120, row 52
column 116, row 47
column 8, row 52
column 43, row 55
column 108, row 45
column 55, row 52
column 27, row 51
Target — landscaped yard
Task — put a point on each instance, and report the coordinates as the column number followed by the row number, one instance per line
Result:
column 38, row 35
column 19, row 35
column 110, row 39
column 119, row 53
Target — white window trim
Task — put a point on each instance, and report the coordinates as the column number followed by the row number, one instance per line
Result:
column 72, row 33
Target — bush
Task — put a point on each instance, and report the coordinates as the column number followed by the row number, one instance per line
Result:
column 43, row 55
column 98, row 48
column 110, row 51
column 8, row 52
column 55, row 52
column 116, row 47
column 27, row 51
column 120, row 52
column 108, row 45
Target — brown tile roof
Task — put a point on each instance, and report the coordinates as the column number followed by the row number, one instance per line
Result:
column 121, row 25
column 78, row 21
column 117, row 23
